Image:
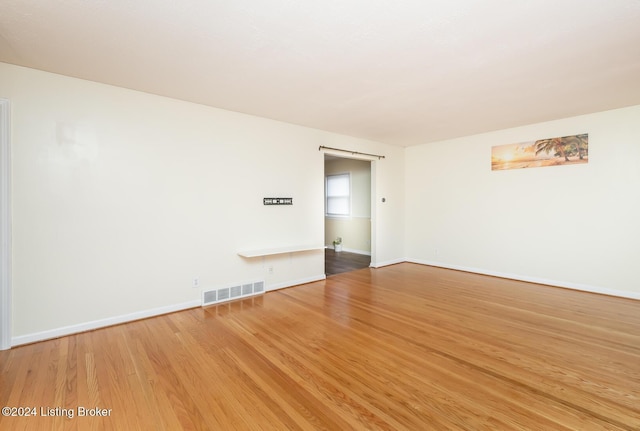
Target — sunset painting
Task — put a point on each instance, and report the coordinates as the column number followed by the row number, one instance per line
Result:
column 567, row 150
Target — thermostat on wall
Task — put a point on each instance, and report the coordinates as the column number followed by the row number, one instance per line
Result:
column 277, row 201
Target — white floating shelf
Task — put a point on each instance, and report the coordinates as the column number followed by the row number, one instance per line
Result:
column 280, row 250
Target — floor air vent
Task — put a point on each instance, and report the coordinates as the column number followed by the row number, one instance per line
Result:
column 223, row 294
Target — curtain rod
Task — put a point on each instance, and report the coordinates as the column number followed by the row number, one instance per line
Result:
column 321, row 147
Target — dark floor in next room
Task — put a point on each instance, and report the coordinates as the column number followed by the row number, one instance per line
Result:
column 344, row 261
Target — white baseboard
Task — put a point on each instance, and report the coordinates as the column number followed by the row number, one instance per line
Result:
column 386, row 263
column 116, row 320
column 352, row 250
column 555, row 283
column 96, row 324
column 277, row 286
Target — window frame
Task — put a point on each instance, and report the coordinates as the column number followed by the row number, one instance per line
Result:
column 327, row 197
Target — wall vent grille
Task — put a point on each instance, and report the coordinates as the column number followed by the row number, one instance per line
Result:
column 210, row 296
column 214, row 296
column 223, row 294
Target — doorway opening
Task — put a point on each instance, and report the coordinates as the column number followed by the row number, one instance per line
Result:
column 347, row 214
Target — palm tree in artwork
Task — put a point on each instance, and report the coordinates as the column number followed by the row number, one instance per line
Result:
column 557, row 145
column 565, row 146
column 580, row 144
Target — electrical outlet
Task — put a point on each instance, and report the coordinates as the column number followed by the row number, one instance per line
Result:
column 196, row 282
column 270, row 269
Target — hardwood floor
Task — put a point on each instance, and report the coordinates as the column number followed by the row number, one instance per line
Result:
column 344, row 261
column 405, row 347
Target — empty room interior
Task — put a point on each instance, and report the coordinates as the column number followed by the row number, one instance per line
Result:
column 177, row 178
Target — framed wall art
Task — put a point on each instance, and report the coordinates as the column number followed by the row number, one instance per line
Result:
column 565, row 150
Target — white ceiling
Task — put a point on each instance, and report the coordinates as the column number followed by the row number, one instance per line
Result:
column 403, row 72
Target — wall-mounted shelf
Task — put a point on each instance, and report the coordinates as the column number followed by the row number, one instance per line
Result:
column 280, row 250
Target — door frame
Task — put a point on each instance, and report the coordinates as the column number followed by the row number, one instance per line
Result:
column 373, row 172
column 5, row 225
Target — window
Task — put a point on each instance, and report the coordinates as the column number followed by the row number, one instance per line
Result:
column 338, row 195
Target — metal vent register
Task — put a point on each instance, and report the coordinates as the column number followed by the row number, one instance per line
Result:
column 222, row 294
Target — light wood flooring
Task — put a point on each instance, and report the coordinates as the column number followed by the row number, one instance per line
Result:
column 405, row 347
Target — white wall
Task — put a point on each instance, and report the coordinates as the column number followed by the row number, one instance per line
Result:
column 574, row 226
column 354, row 230
column 121, row 198
column 387, row 221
